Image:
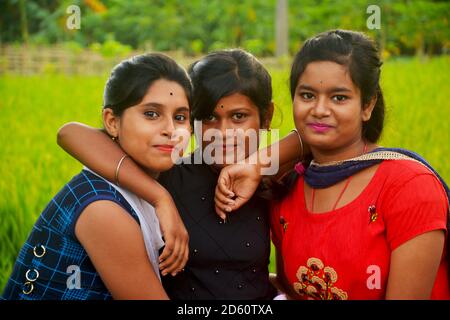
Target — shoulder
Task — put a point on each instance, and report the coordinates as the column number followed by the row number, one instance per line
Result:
column 104, row 217
column 409, row 183
column 412, row 201
column 401, row 174
column 85, row 189
column 405, row 168
column 86, row 185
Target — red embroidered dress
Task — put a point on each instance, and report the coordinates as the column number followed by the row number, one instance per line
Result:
column 345, row 253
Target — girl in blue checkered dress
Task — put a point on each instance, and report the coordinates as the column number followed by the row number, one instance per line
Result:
column 95, row 240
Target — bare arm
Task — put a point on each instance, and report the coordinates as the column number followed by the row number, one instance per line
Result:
column 240, row 181
column 95, row 149
column 414, row 267
column 114, row 243
column 290, row 151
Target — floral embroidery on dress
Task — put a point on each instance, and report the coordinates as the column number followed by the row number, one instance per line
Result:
column 318, row 281
column 373, row 214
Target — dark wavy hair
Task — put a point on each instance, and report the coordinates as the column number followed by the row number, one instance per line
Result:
column 360, row 55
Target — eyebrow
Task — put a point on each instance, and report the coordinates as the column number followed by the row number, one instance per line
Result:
column 237, row 109
column 152, row 104
column 159, row 105
column 332, row 90
column 234, row 109
column 182, row 109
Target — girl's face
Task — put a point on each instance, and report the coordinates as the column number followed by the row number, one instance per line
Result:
column 240, row 116
column 327, row 107
column 148, row 132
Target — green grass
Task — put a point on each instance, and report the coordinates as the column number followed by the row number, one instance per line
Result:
column 33, row 168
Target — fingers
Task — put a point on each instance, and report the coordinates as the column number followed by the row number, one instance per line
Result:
column 221, row 213
column 239, row 202
column 182, row 257
column 168, row 265
column 168, row 250
column 224, row 186
column 178, row 264
column 222, row 201
column 176, row 258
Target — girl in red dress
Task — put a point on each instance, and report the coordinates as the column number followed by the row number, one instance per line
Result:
column 360, row 221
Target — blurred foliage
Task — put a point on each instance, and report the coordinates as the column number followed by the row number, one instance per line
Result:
column 110, row 47
column 197, row 26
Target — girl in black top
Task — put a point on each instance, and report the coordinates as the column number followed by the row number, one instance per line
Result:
column 227, row 259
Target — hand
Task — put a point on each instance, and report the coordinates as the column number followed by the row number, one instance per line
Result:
column 176, row 251
column 236, row 185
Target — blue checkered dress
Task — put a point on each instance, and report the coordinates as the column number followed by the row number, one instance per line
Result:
column 52, row 256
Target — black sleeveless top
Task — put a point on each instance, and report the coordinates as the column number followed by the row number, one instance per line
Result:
column 226, row 260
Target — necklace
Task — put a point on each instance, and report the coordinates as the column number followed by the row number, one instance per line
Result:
column 340, row 194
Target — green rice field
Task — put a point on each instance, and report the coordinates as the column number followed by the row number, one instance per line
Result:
column 32, row 108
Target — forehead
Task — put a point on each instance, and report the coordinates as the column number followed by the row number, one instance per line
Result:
column 165, row 92
column 233, row 102
column 326, row 74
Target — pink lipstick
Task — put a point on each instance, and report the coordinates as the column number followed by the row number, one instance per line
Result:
column 319, row 127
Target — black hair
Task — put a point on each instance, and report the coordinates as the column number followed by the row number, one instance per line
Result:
column 131, row 78
column 360, row 54
column 225, row 72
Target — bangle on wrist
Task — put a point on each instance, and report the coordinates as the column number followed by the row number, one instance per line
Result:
column 118, row 169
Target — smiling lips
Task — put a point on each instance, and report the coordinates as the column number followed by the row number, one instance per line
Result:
column 165, row 147
column 319, row 127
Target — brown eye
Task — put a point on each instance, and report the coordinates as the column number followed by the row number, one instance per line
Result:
column 180, row 117
column 340, row 98
column 306, row 95
column 239, row 116
column 151, row 114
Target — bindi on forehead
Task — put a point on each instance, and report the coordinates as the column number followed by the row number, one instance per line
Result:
column 219, row 109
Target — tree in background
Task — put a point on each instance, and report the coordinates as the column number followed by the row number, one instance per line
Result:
column 282, row 28
column 196, row 26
